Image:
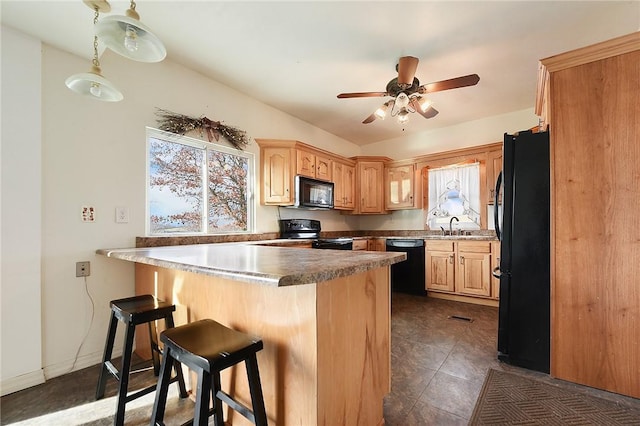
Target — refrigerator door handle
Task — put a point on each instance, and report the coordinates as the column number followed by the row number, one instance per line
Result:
column 496, row 213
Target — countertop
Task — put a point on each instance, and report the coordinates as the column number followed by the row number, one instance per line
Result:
column 256, row 263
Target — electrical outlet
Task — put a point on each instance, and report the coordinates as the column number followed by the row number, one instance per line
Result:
column 83, row 269
column 88, row 214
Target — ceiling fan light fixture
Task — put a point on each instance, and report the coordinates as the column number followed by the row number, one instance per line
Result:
column 403, row 116
column 381, row 112
column 129, row 37
column 402, row 100
column 425, row 104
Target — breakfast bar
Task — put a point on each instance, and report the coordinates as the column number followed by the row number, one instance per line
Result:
column 323, row 315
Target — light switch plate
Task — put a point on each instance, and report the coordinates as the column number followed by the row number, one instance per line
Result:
column 122, row 214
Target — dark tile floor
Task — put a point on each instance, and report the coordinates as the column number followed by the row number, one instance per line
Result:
column 438, row 368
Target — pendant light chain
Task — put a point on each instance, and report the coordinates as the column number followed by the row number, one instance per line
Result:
column 96, row 62
column 133, row 5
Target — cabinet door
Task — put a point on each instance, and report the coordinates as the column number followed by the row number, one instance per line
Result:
column 494, row 167
column 495, row 262
column 344, row 185
column 371, row 187
column 323, row 168
column 377, row 244
column 305, row 163
column 360, row 244
column 349, row 186
column 440, row 270
column 399, row 187
column 473, row 272
column 277, row 177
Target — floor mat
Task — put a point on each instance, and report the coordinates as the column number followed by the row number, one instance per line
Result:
column 510, row 399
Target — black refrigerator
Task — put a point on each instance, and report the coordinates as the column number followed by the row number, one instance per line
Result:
column 524, row 234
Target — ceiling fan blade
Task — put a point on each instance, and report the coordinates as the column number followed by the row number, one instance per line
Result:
column 429, row 113
column 362, row 95
column 453, row 83
column 407, row 66
column 370, row 118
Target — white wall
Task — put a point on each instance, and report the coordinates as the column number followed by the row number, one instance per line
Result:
column 20, row 224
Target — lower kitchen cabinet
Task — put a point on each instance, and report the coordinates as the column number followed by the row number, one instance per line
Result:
column 377, row 244
column 495, row 263
column 360, row 244
column 459, row 267
column 440, row 265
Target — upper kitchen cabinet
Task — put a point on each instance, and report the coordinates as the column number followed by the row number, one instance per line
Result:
column 591, row 96
column 313, row 165
column 281, row 160
column 276, row 175
column 494, row 167
column 344, row 180
column 402, row 187
column 370, row 185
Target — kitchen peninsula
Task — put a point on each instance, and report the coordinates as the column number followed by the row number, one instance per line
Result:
column 324, row 319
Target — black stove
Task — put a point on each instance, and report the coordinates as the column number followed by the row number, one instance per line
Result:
column 310, row 229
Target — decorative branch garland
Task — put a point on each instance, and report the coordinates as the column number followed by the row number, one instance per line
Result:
column 181, row 124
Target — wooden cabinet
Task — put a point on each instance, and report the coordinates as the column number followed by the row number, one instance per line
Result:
column 370, row 187
column 312, row 165
column 440, row 264
column 361, row 244
column 402, row 187
column 344, row 180
column 494, row 167
column 377, row 244
column 473, row 268
column 595, row 260
column 281, row 160
column 495, row 263
column 277, row 175
column 460, row 267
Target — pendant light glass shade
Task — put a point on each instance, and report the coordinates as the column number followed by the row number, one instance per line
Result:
column 129, row 37
column 94, row 85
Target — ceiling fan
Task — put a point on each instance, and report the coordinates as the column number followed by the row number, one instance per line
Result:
column 408, row 94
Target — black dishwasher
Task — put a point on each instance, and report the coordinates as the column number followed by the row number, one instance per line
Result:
column 408, row 276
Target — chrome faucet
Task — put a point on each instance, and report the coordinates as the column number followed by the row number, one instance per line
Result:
column 451, row 223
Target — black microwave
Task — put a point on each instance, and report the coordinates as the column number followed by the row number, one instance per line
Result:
column 312, row 193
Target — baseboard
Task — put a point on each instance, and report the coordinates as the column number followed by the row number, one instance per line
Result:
column 23, row 381
column 66, row 367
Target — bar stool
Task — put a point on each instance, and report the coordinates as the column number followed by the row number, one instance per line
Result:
column 134, row 311
column 207, row 348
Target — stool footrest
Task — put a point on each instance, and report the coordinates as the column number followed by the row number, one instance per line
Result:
column 112, row 369
column 237, row 406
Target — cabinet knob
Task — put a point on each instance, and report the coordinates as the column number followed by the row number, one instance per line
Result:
column 451, row 258
column 462, row 260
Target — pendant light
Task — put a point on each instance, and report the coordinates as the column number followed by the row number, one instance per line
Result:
column 129, row 37
column 92, row 83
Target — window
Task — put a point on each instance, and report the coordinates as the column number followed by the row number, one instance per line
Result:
column 454, row 191
column 195, row 187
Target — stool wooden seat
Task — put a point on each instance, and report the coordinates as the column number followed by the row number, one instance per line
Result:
column 133, row 311
column 207, row 348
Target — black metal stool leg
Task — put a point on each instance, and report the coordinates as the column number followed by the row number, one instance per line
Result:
column 255, row 388
column 124, row 373
column 162, row 389
column 108, row 350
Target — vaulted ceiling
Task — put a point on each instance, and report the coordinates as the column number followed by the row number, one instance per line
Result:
column 297, row 56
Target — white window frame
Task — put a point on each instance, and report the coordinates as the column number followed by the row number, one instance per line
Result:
column 205, row 146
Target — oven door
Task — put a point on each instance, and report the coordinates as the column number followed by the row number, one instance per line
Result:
column 333, row 244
